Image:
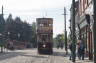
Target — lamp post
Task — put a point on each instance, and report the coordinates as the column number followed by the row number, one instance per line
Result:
column 73, row 32
column 94, row 29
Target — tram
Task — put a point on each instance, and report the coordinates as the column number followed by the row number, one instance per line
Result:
column 45, row 35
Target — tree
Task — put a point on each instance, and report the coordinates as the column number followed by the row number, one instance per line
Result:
column 26, row 32
column 34, row 36
column 20, row 30
column 59, row 40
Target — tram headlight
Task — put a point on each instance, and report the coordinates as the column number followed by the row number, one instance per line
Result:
column 44, row 45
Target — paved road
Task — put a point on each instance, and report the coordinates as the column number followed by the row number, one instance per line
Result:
column 31, row 56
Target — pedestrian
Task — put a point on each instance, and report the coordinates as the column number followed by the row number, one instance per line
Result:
column 81, row 50
column 70, row 48
column 78, row 49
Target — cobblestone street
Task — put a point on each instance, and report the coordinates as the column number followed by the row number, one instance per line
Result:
column 31, row 56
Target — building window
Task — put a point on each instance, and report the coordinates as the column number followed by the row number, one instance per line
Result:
column 50, row 24
column 41, row 25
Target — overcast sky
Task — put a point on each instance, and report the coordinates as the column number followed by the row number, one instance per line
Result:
column 29, row 10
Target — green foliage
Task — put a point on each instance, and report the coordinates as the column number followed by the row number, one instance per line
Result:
column 20, row 30
column 34, row 39
column 16, row 29
column 59, row 39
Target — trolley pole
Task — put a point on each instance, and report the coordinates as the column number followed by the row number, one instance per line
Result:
column 73, row 32
column 94, row 29
column 65, row 31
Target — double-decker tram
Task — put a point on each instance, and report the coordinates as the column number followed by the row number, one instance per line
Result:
column 45, row 35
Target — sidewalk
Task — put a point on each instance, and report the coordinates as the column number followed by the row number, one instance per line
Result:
column 79, row 61
column 65, row 58
column 86, row 60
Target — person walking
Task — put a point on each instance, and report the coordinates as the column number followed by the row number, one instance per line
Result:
column 81, row 50
column 78, row 49
column 70, row 48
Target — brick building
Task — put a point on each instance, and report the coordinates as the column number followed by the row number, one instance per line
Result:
column 84, row 24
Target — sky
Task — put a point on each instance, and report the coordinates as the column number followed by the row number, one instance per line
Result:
column 29, row 10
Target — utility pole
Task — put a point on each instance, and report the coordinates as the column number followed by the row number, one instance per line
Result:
column 73, row 32
column 2, row 34
column 94, row 29
column 65, row 31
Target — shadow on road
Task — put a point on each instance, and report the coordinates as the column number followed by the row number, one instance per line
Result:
column 8, row 55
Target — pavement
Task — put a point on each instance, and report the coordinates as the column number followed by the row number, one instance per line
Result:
column 31, row 56
column 65, row 58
